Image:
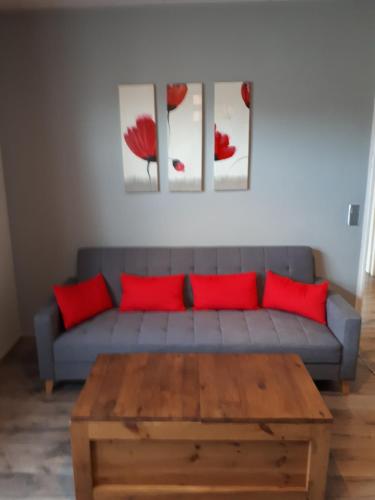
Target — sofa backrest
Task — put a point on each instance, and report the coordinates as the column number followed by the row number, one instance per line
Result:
column 295, row 261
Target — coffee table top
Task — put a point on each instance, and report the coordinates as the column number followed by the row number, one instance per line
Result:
column 201, row 387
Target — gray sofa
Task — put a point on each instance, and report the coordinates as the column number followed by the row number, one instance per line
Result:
column 329, row 352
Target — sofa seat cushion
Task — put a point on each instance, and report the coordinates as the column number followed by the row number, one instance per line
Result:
column 198, row 331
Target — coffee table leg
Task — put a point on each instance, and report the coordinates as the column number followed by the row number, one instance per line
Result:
column 81, row 455
column 318, row 462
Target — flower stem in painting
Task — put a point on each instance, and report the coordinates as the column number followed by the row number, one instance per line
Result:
column 238, row 159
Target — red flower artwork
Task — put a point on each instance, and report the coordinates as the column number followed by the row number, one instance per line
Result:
column 141, row 140
column 246, row 93
column 176, row 93
column 222, row 148
column 178, row 165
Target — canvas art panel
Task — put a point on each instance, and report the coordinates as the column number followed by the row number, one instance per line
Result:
column 232, row 135
column 184, row 113
column 139, row 137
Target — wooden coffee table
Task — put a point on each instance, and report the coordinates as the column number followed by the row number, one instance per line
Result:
column 199, row 427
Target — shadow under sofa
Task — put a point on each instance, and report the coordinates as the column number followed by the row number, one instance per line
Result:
column 329, row 352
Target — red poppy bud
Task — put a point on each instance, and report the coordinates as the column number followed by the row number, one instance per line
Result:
column 176, row 93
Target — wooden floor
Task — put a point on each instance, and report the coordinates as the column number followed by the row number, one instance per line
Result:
column 34, row 440
column 352, row 464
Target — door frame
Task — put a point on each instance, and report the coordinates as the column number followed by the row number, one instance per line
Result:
column 367, row 252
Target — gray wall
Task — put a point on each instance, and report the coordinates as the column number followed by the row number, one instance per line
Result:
column 9, row 320
column 312, row 68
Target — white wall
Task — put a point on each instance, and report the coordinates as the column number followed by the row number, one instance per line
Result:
column 9, row 322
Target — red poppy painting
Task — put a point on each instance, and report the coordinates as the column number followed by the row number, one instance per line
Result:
column 139, row 137
column 232, row 135
column 184, row 112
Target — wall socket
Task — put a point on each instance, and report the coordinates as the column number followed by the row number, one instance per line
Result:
column 353, row 215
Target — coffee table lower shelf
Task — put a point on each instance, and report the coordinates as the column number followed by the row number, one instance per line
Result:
column 200, row 461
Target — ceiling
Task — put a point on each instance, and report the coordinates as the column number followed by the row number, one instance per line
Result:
column 52, row 4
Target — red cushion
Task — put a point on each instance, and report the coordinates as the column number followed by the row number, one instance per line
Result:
column 226, row 291
column 152, row 293
column 82, row 301
column 286, row 294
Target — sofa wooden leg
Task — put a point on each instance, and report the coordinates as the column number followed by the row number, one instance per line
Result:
column 345, row 387
column 48, row 387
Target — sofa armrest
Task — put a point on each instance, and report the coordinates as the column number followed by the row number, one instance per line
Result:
column 47, row 326
column 345, row 323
